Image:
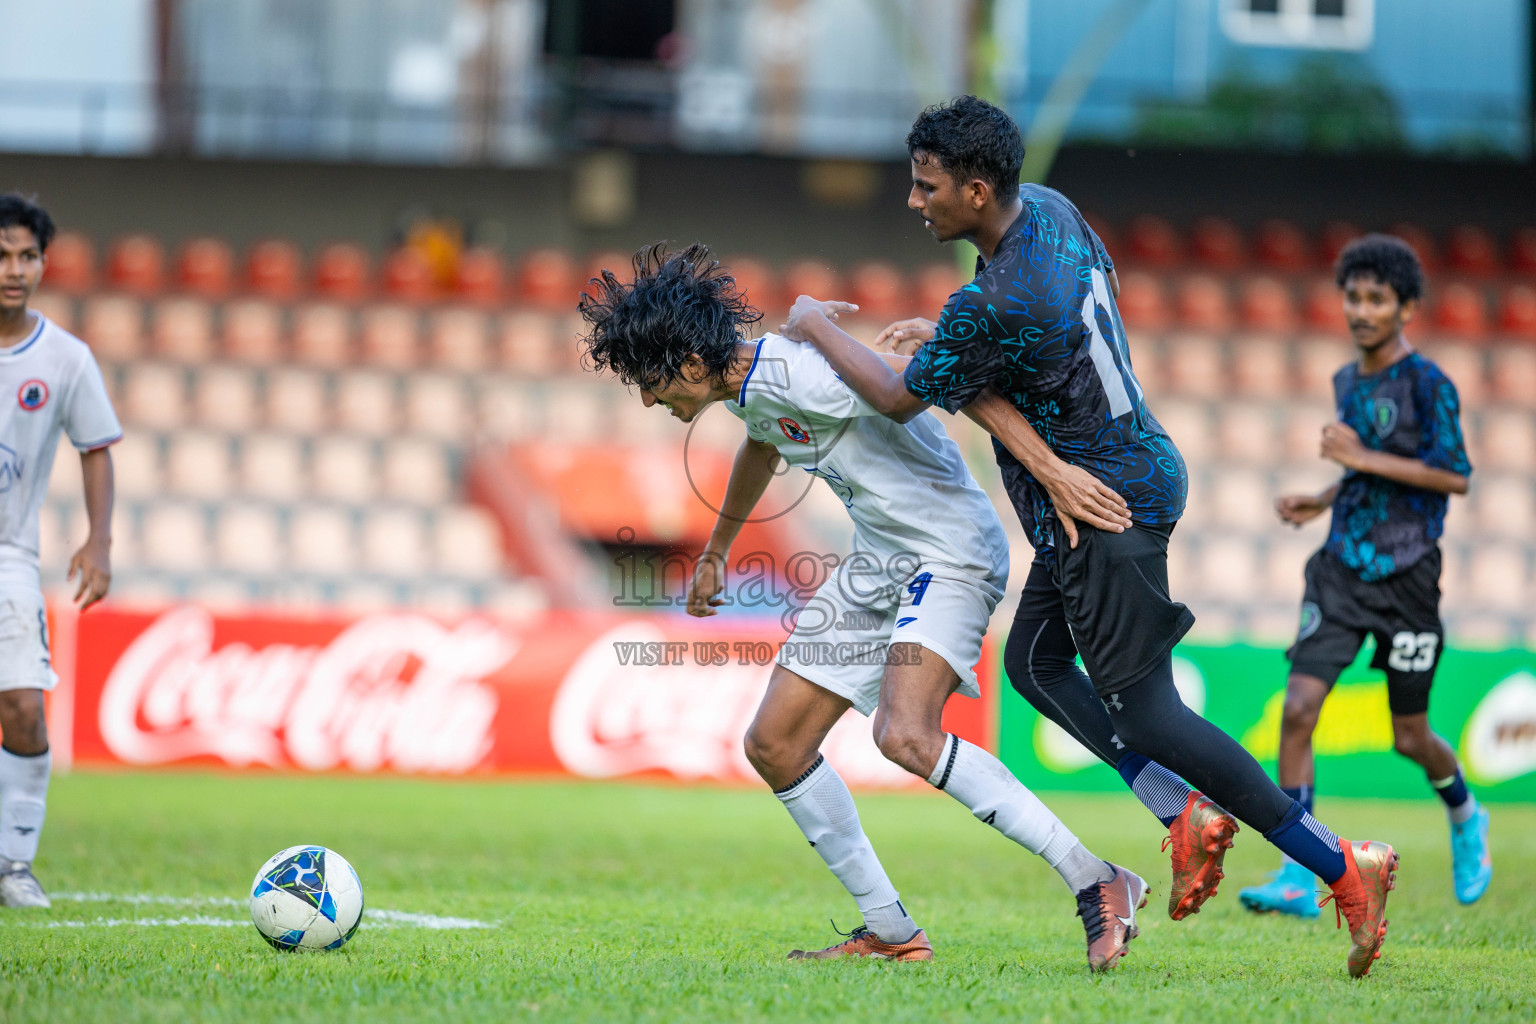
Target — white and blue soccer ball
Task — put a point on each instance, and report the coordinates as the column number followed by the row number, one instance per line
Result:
column 307, row 897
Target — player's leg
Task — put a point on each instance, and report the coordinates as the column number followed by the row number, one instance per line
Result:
column 783, row 744
column 25, row 766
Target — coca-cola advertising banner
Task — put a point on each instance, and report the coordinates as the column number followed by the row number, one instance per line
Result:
column 594, row 695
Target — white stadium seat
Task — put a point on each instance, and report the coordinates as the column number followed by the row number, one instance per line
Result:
column 113, row 325
column 322, row 335
column 296, row 401
column 154, row 395
column 528, row 344
column 1505, row 505
column 394, row 542
column 253, row 332
column 247, row 538
column 1507, row 440
column 183, row 330
column 437, row 405
column 391, row 337
column 343, row 468
column 271, row 466
column 416, row 471
column 1228, row 567
column 366, row 403
column 175, row 536
column 459, row 340
column 1248, row 432
column 320, row 540
column 225, row 397
column 1194, row 366
column 507, row 409
column 1189, row 425
column 467, row 543
column 1241, row 498
column 136, row 471
column 198, row 465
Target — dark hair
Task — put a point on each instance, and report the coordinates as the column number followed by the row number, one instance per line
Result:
column 17, row 210
column 1388, row 258
column 971, row 139
column 680, row 303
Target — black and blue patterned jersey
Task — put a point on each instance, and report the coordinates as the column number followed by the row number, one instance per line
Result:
column 1381, row 527
column 1039, row 324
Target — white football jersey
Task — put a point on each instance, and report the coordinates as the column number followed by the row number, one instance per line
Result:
column 905, row 485
column 48, row 382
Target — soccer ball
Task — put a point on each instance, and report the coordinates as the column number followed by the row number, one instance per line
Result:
column 307, row 897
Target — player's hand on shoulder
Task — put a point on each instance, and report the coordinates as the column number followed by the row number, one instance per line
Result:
column 704, row 590
column 807, row 309
column 1297, row 509
column 93, row 564
column 1341, row 444
column 905, row 337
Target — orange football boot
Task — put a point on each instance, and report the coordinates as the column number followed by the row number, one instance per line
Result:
column 1108, row 910
column 863, row 942
column 1360, row 897
column 1200, row 836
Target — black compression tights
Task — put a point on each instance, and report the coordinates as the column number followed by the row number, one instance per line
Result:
column 1041, row 661
column 1151, row 719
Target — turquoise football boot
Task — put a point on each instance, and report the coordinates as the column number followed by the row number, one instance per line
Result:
column 1471, row 864
column 1288, row 891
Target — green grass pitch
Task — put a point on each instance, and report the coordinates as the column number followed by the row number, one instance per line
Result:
column 625, row 902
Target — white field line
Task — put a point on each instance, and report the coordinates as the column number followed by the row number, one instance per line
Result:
column 380, row 918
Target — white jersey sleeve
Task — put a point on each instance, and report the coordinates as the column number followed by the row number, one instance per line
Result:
column 88, row 417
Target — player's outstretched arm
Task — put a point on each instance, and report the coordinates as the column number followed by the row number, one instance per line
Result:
column 1077, row 494
column 93, row 562
column 1343, row 445
column 1299, row 509
column 862, row 369
column 750, row 475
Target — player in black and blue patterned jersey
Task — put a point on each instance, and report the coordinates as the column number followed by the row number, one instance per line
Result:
column 1035, row 351
column 1398, row 438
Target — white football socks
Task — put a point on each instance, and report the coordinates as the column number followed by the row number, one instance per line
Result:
column 981, row 782
column 23, row 803
column 821, row 805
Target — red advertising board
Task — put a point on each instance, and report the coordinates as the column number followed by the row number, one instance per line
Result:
column 594, row 695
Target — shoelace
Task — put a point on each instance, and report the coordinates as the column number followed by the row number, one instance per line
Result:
column 1338, row 905
column 1090, row 907
column 858, row 932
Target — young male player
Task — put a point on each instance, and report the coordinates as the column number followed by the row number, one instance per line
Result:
column 902, row 618
column 57, row 386
column 1398, row 437
column 1039, row 325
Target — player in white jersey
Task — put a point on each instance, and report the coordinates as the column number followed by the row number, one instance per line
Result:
column 57, row 386
column 896, row 628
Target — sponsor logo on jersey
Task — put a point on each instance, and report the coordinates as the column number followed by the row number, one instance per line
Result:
column 794, row 431
column 10, row 468
column 32, row 395
column 1383, row 416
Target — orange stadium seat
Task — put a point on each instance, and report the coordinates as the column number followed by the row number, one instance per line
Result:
column 274, row 268
column 322, row 335
column 1106, row 232
column 1471, row 250
column 1517, row 312
column 136, row 263
column 934, row 284
column 620, row 264
column 1460, row 311
column 756, row 281
column 482, row 277
column 391, row 336
column 205, row 266
column 1281, row 245
column 71, row 263
column 1325, row 305
column 547, row 278
column 253, row 332
column 1154, row 242
column 183, row 329
column 1335, row 236
column 407, row 274
column 1218, row 244
column 813, row 278
column 1203, row 303
column 1141, row 301
column 1422, row 242
column 343, row 272
column 1267, row 305
column 880, row 291
column 1522, row 251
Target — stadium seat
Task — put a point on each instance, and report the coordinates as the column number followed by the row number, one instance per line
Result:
column 457, row 339
column 1261, row 366
column 183, row 330
column 1522, row 251
column 366, row 403
column 1508, row 440
column 811, row 277
column 1325, row 306
column 154, row 395
column 206, row 267
column 271, row 466
column 1285, row 559
column 1217, row 244
column 113, row 325
column 225, row 398
column 616, row 262
column 1107, row 234
column 1189, row 425
column 296, row 401
column 1141, row 302
column 481, row 277
column 135, row 465
column 1504, row 505
column 1194, row 366
column 1464, row 364
column 1422, row 243
column 368, row 597
column 416, row 471
column 343, row 468
column 1241, row 499
column 756, row 280
column 343, row 272
column 547, row 279
column 1281, row 245
column 1153, row 242
column 253, row 332
column 1317, row 359
column 1203, row 304
column 508, row 409
column 517, row 599
column 1248, row 432
column 880, row 292
column 528, row 343
column 322, row 335
column 1459, row 311
column 71, row 263
column 1304, row 423
column 1227, row 566
column 136, row 263
column 56, row 306
column 394, row 542
column 466, row 542
column 442, row 597
column 248, row 538
column 934, row 284
column 1334, row 237
column 1512, row 373
column 1517, row 312
column 1498, row 581
column 175, row 536
column 391, row 337
column 1471, row 250
column 198, row 465
column 436, row 406
column 321, row 540
column 576, row 413
column 407, row 275
column 274, row 269
column 1267, row 305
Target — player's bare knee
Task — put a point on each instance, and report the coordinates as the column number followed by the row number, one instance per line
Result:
column 905, row 744
column 1299, row 715
column 22, row 722
column 1410, row 743
column 775, row 758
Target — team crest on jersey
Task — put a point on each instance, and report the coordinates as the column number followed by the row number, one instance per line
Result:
column 32, row 395
column 1383, row 416
column 794, row 431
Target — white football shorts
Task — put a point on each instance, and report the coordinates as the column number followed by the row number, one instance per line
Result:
column 842, row 634
column 25, row 663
